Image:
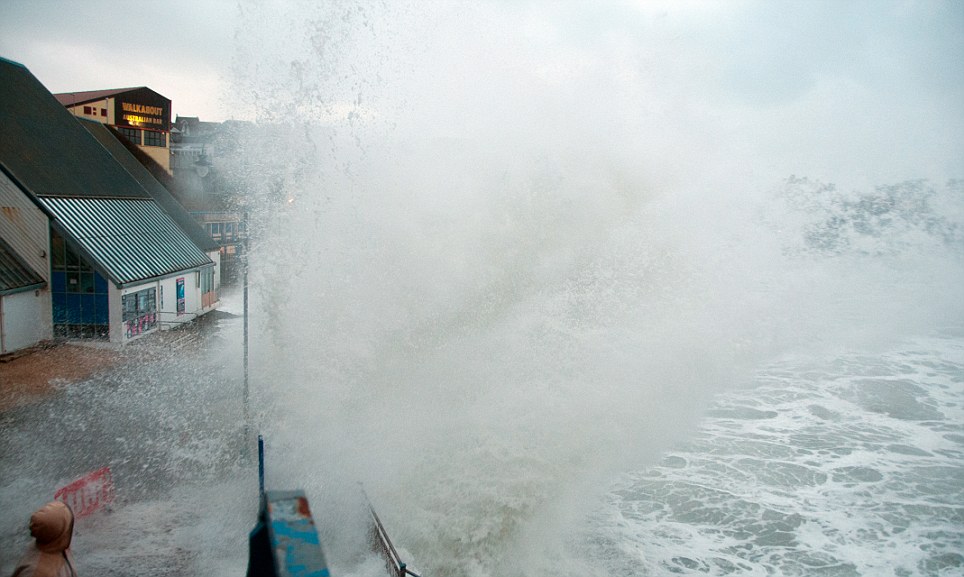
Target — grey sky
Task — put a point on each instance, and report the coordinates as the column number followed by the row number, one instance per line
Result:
column 867, row 87
column 179, row 48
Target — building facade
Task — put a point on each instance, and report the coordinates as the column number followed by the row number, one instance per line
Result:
column 99, row 244
column 141, row 115
column 25, row 298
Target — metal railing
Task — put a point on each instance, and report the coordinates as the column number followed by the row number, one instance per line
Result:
column 258, row 563
column 383, row 545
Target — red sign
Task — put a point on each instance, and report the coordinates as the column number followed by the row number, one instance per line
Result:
column 88, row 493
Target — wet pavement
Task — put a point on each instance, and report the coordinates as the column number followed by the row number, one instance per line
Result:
column 165, row 414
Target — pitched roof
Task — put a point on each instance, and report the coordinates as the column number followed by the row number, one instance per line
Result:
column 74, row 98
column 44, row 146
column 158, row 192
column 15, row 275
column 94, row 199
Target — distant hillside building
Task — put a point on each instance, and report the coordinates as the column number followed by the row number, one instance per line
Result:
column 204, row 161
column 100, row 245
column 141, row 115
column 192, row 142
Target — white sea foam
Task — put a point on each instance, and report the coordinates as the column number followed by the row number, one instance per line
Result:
column 822, row 480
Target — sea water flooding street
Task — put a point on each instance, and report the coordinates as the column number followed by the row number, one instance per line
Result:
column 163, row 416
column 843, row 465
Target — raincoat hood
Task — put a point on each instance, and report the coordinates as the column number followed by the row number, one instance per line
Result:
column 52, row 526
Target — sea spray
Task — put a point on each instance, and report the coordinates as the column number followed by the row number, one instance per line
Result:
column 493, row 269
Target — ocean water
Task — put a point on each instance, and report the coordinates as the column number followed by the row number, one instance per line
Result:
column 847, row 465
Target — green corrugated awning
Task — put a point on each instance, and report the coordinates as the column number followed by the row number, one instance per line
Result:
column 161, row 195
column 131, row 239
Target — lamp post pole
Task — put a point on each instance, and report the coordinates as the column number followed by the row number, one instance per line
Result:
column 244, row 283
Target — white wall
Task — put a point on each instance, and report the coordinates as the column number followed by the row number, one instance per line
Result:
column 168, row 317
column 115, row 313
column 168, row 305
column 25, row 227
column 27, row 230
column 19, row 314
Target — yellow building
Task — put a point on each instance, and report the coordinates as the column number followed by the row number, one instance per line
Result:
column 139, row 114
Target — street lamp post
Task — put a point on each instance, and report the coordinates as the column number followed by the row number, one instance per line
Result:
column 202, row 167
column 244, row 284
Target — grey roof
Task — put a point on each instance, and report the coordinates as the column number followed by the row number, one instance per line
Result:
column 131, row 239
column 74, row 98
column 93, row 198
column 15, row 275
column 45, row 148
column 161, row 195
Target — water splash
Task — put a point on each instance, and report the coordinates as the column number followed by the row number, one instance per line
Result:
column 493, row 268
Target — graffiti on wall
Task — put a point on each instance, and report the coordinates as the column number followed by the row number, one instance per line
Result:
column 140, row 312
column 139, row 325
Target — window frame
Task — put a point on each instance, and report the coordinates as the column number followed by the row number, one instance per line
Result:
column 155, row 138
column 131, row 134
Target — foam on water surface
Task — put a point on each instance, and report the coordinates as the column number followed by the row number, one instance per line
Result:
column 849, row 466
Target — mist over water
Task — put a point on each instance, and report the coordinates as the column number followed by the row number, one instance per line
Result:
column 503, row 254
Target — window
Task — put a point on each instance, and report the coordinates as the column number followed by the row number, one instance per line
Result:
column 57, row 256
column 78, row 293
column 207, row 280
column 131, row 134
column 103, row 112
column 154, row 138
column 88, row 110
column 140, row 312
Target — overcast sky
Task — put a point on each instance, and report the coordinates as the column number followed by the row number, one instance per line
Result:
column 179, row 48
column 877, row 84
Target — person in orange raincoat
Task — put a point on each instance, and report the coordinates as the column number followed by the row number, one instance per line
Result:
column 52, row 527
